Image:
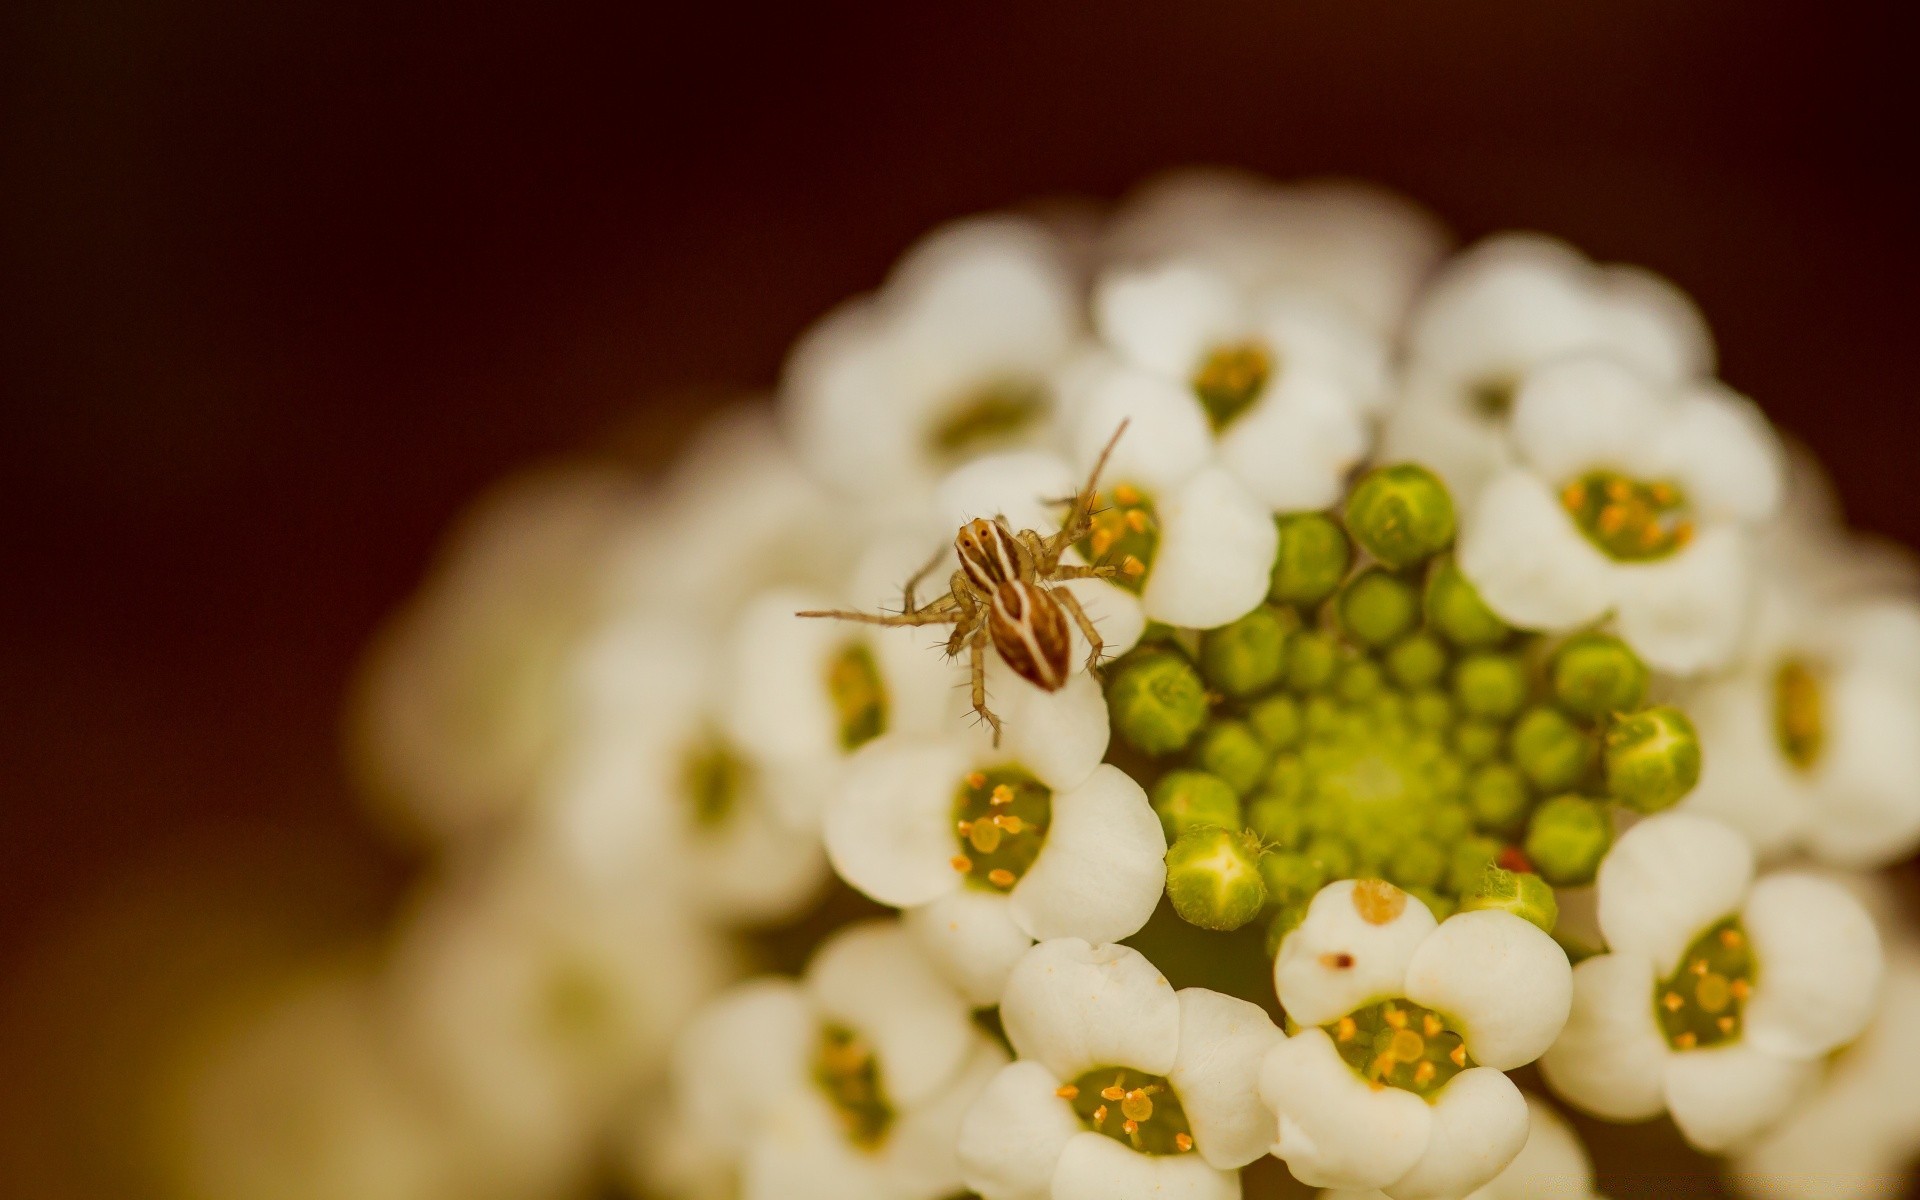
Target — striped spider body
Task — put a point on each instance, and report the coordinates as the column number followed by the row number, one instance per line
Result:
column 1006, row 594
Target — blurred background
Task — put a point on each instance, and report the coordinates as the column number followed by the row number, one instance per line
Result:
column 286, row 284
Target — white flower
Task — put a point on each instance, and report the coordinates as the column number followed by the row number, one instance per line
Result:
column 528, row 1000
column 301, row 1099
column 1631, row 499
column 1857, row 1136
column 458, row 704
column 1395, row 1080
column 952, row 357
column 1363, row 247
column 849, row 1084
column 1506, row 307
column 1719, row 995
column 989, row 851
column 1553, row 1165
column 1124, row 1088
column 1809, row 743
column 1279, row 384
column 653, row 784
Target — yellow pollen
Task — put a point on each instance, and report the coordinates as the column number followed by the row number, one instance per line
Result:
column 1408, row 1045
column 1459, row 1055
column 1137, row 520
column 960, row 862
column 1383, row 1064
column 1613, row 518
column 1000, row 877
column 1686, row 1041
column 1672, row 1001
column 1395, row 1017
column 977, row 779
column 1714, row 993
column 1133, row 566
column 1116, row 1092
column 1183, row 1141
column 1138, row 1106
column 1663, row 493
column 1346, row 1029
column 1002, row 794
column 1424, row 1073
column 1431, row 1025
column 1103, row 540
column 1126, row 494
column 1740, row 988
column 1067, row 1091
column 1100, row 1115
column 1730, row 938
column 1377, row 901
column 1572, row 495
column 1682, row 533
column 1619, row 490
column 1010, row 825
column 1698, row 966
column 1725, row 1024
column 1130, row 1127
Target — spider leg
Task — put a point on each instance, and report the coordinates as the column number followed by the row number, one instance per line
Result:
column 909, row 606
column 1103, row 571
column 932, row 614
column 1080, row 520
column 1095, row 647
column 978, row 664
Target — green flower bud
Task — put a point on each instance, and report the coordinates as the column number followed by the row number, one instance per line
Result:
column 1418, row 863
column 1157, row 702
column 1595, row 674
column 1489, row 685
column 1652, row 759
column 1286, row 778
column 1449, row 822
column 1213, row 879
column 1230, row 750
column 1278, row 820
column 1552, row 752
column 1276, row 721
column 1246, row 656
column 1567, row 838
column 1358, row 681
column 1417, row 661
column 1431, row 709
column 1377, row 607
column 1322, row 716
column 1290, row 878
column 1311, row 659
column 1313, row 559
column 1333, row 856
column 1521, row 893
column 1401, row 514
column 1469, row 860
column 1454, row 607
column 1191, row 799
column 1284, row 922
column 1497, row 797
column 1477, row 741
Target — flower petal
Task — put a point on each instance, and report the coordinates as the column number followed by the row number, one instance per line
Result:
column 1666, row 881
column 1724, row 453
column 1531, row 565
column 890, row 831
column 1338, row 960
column 1016, row 485
column 1553, row 1165
column 1335, row 1130
column 970, row 937
column 1588, row 412
column 1167, row 437
column 1725, row 1095
column 873, row 979
column 801, row 1154
column 1745, row 781
column 1687, row 612
column 1869, row 781
column 777, row 704
column 919, row 1157
column 1012, row 1136
column 1479, row 1126
column 1611, row 1058
column 1096, row 1167
column 1294, row 447
column 1073, row 1007
column 1223, row 1041
column 1215, row 560
column 1819, row 966
column 1505, row 982
column 1103, row 866
column 744, row 1056
column 1166, row 318
column 1059, row 736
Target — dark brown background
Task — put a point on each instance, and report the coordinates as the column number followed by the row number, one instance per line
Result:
column 287, row 282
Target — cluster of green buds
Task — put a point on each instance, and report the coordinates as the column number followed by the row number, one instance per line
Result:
column 1374, row 719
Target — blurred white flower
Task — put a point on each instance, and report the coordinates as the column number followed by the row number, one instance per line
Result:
column 1395, row 1080
column 1719, row 995
column 848, row 1084
column 1553, row 1165
column 1506, row 307
column 988, row 851
column 954, row 356
column 1123, row 1087
column 1629, row 498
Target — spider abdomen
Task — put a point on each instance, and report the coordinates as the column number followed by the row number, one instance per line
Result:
column 1029, row 630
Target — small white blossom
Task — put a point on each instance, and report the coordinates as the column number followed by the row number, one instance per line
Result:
column 1718, row 995
column 1123, row 1088
column 849, row 1084
column 952, row 357
column 1631, row 499
column 1506, row 307
column 1406, row 1093
column 989, row 850
column 1553, row 1165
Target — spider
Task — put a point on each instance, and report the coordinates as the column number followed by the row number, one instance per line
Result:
column 1004, row 593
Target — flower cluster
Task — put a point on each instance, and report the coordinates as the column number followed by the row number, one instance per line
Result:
column 1478, row 682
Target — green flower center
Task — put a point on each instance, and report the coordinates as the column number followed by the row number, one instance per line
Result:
column 1398, row 1043
column 1799, row 716
column 1000, row 817
column 1629, row 519
column 1492, row 397
column 1230, row 379
column 991, row 416
column 714, row 780
column 845, row 1069
column 1125, row 533
column 1132, row 1107
column 859, row 697
column 1701, row 1003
